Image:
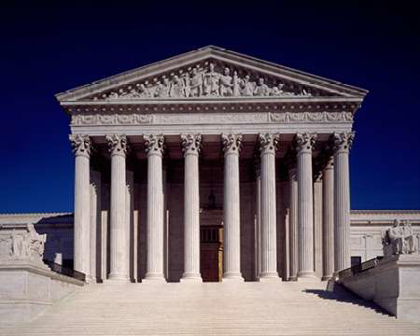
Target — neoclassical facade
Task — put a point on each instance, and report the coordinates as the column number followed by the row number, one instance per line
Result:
column 212, row 165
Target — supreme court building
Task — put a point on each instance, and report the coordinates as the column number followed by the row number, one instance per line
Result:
column 212, row 165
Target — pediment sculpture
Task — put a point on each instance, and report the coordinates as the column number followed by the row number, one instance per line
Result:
column 399, row 239
column 22, row 242
column 208, row 81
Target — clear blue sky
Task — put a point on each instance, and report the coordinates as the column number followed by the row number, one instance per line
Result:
column 49, row 47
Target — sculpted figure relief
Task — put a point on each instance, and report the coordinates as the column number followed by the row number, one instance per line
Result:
column 262, row 88
column 207, row 81
column 22, row 243
column 211, row 81
column 226, row 84
column 399, row 239
column 194, row 87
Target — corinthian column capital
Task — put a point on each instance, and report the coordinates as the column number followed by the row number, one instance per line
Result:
column 305, row 142
column 118, row 144
column 80, row 144
column 232, row 143
column 191, row 143
column 268, row 142
column 342, row 142
column 154, row 144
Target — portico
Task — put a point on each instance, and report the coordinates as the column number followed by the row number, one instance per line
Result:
column 159, row 148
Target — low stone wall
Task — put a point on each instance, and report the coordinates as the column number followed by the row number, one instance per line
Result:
column 27, row 289
column 394, row 284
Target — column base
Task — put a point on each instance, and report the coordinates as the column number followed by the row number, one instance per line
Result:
column 293, row 278
column 269, row 277
column 326, row 277
column 191, row 278
column 154, row 277
column 90, row 279
column 227, row 277
column 307, row 276
column 121, row 278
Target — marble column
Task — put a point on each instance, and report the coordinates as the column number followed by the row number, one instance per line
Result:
column 155, row 219
column 305, row 142
column 318, row 223
column 129, row 218
column 257, row 218
column 328, row 220
column 342, row 144
column 95, row 223
column 268, row 145
column 231, row 207
column 119, row 250
column 81, row 145
column 293, row 223
column 191, row 145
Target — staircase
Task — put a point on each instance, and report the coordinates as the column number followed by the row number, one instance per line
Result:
column 282, row 308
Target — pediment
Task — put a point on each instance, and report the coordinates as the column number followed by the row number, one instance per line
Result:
column 210, row 73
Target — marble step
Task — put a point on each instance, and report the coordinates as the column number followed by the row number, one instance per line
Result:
column 246, row 309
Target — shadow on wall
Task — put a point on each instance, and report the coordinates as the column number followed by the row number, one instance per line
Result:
column 59, row 219
column 340, row 294
column 59, row 230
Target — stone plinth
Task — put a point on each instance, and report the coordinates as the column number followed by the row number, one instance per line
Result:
column 27, row 285
column 27, row 288
column 394, row 284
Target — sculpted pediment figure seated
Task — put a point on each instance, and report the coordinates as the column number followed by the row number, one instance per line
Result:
column 207, row 81
column 21, row 242
column 399, row 239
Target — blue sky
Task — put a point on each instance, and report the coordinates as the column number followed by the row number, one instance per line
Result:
column 49, row 47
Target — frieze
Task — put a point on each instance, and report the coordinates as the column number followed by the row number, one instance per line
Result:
column 203, row 118
column 311, row 117
column 211, row 118
column 110, row 119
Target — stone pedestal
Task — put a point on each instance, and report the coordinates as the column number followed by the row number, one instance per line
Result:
column 27, row 285
column 268, row 146
column 155, row 223
column 119, row 250
column 394, row 284
column 304, row 146
column 27, row 289
column 191, row 144
column 231, row 207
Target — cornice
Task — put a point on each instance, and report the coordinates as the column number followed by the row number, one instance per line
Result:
column 384, row 212
column 35, row 214
column 213, row 106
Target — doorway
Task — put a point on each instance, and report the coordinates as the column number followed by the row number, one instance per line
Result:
column 211, row 253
